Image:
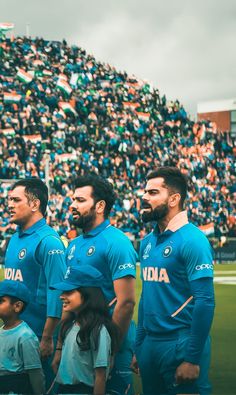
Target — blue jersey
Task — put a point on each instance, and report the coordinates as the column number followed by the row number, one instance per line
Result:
column 169, row 262
column 36, row 257
column 109, row 250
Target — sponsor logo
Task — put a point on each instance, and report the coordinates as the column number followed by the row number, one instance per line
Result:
column 22, row 253
column 167, row 251
column 156, row 274
column 91, row 251
column 146, row 251
column 204, row 266
column 53, row 252
column 13, row 274
column 71, row 253
column 127, row 266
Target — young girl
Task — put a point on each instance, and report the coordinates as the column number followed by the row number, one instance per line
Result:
column 89, row 336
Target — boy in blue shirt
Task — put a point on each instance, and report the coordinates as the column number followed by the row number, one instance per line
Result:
column 177, row 302
column 20, row 365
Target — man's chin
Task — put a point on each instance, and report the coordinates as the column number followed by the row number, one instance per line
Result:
column 147, row 217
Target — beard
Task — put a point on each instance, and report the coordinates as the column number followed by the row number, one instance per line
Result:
column 157, row 214
column 85, row 221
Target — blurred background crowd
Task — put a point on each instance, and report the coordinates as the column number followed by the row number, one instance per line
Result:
column 62, row 113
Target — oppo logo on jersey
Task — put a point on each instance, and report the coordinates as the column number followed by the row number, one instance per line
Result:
column 155, row 274
column 13, row 274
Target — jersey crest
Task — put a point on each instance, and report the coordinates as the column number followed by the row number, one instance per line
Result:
column 167, row 251
column 91, row 251
column 22, row 253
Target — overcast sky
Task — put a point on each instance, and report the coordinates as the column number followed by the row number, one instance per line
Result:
column 185, row 48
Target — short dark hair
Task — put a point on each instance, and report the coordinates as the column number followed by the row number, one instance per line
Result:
column 174, row 180
column 35, row 188
column 102, row 190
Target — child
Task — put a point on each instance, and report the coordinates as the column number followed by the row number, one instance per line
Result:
column 89, row 337
column 20, row 365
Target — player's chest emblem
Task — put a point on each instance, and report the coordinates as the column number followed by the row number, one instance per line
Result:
column 167, row 251
column 71, row 253
column 91, row 251
column 147, row 251
column 22, row 253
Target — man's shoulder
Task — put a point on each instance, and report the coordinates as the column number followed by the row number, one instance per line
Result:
column 191, row 232
column 114, row 235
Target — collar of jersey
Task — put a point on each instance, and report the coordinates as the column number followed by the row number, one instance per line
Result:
column 98, row 229
column 175, row 223
column 32, row 229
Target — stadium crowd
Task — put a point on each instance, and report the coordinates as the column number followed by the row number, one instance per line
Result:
column 60, row 106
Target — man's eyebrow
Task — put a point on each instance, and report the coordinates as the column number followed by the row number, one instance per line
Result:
column 151, row 190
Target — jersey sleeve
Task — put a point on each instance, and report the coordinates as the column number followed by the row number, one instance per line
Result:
column 122, row 258
column 30, row 353
column 51, row 254
column 198, row 257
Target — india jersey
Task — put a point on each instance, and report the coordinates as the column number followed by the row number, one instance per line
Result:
column 36, row 257
column 169, row 262
column 109, row 250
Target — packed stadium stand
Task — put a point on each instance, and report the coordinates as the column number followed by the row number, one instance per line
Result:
column 59, row 105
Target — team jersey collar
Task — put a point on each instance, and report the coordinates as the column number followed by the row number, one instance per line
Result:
column 33, row 228
column 175, row 223
column 98, row 229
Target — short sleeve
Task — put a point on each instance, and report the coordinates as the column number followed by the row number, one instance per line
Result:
column 30, row 353
column 102, row 356
column 198, row 257
column 121, row 258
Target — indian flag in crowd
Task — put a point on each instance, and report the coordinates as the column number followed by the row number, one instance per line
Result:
column 130, row 105
column 6, row 27
column 67, row 107
column 8, row 132
column 11, row 97
column 47, row 73
column 64, row 86
column 33, row 138
column 24, row 76
column 74, row 79
column 143, row 116
column 66, row 157
column 208, row 229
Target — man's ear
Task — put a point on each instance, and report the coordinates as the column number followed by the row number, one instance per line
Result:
column 174, row 200
column 100, row 206
column 35, row 204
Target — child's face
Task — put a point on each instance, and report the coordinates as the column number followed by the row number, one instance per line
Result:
column 7, row 308
column 72, row 300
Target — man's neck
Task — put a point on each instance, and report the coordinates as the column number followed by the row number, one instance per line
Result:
column 163, row 223
column 30, row 222
column 94, row 225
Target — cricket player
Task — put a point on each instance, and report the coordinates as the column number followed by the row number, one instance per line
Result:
column 110, row 251
column 35, row 255
column 177, row 302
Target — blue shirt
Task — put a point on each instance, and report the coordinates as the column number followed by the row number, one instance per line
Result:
column 169, row 262
column 19, row 350
column 36, row 257
column 109, row 250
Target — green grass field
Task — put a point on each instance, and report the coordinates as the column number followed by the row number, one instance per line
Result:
column 223, row 333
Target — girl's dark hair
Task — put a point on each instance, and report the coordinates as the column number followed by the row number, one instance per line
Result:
column 91, row 316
